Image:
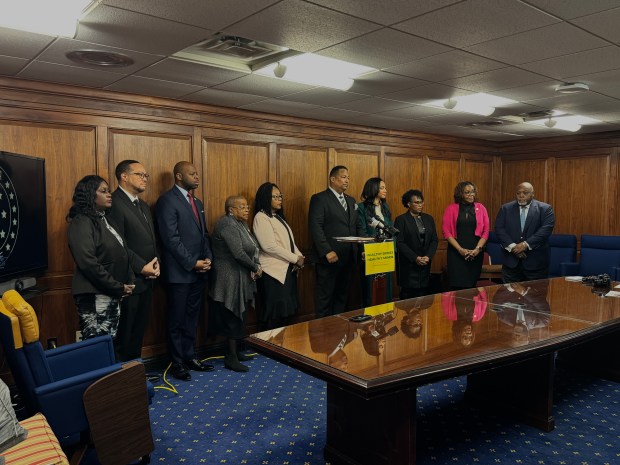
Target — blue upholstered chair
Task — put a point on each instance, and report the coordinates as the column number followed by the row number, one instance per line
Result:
column 563, row 250
column 599, row 254
column 52, row 381
column 494, row 249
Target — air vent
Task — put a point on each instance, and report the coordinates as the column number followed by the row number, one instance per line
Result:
column 477, row 124
column 234, row 52
column 537, row 114
column 100, row 58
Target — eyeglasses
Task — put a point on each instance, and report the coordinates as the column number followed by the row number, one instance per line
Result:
column 418, row 202
column 277, row 197
column 469, row 192
column 143, row 176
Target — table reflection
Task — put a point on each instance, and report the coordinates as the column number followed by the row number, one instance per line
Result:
column 469, row 308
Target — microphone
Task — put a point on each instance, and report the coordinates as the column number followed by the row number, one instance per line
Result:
column 378, row 223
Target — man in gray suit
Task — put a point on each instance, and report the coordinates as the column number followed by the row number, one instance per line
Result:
column 133, row 220
column 332, row 214
column 186, row 257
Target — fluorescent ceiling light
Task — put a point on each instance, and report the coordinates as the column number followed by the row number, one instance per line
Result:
column 571, row 123
column 55, row 18
column 478, row 104
column 316, row 70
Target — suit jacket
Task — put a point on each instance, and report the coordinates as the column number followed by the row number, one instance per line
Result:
column 410, row 246
column 538, row 227
column 135, row 225
column 536, row 309
column 103, row 265
column 184, row 240
column 275, row 245
column 327, row 219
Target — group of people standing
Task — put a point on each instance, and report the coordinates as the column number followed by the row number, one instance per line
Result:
column 112, row 237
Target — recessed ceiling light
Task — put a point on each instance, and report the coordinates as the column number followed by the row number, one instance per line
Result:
column 100, row 58
column 572, row 88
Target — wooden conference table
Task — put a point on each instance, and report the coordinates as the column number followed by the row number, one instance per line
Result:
column 505, row 339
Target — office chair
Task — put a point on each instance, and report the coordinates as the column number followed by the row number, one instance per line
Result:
column 599, row 254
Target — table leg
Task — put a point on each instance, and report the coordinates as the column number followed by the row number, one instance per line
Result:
column 376, row 431
column 523, row 390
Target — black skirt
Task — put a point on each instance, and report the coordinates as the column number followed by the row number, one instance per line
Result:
column 280, row 300
column 223, row 322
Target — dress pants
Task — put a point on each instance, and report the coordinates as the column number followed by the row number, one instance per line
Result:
column 331, row 288
column 134, row 318
column 518, row 273
column 184, row 305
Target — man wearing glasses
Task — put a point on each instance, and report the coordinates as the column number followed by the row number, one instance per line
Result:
column 133, row 220
column 186, row 256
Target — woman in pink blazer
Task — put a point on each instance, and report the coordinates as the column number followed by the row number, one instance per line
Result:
column 279, row 258
column 466, row 228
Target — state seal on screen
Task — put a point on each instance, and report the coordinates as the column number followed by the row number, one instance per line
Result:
column 9, row 217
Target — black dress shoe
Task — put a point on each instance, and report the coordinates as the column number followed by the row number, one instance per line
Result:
column 178, row 371
column 197, row 365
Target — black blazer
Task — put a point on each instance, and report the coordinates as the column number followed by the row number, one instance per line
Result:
column 410, row 245
column 184, row 240
column 328, row 219
column 103, row 265
column 135, row 225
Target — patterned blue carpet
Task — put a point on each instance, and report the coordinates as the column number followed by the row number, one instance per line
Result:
column 274, row 415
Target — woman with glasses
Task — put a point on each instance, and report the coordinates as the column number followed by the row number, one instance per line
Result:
column 416, row 245
column 104, row 272
column 373, row 206
column 466, row 228
column 279, row 257
column 236, row 269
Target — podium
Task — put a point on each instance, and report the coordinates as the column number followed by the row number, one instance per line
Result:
column 380, row 260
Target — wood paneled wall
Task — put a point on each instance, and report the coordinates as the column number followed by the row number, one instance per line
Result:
column 80, row 131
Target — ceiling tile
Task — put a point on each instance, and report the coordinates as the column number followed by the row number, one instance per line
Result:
column 475, row 21
column 386, row 11
column 188, row 72
column 600, row 59
column 568, row 9
column 125, row 29
column 414, row 112
column 69, row 75
column 330, row 114
column 371, row 105
column 301, row 26
column 606, row 82
column 281, row 107
column 261, row 85
column 571, row 103
column 21, row 44
column 223, row 98
column 384, row 48
column 498, row 79
column 380, row 121
column 546, row 42
column 539, row 90
column 324, row 96
column 449, row 65
column 425, row 94
column 56, row 53
column 146, row 86
column 10, row 66
column 380, row 82
column 207, row 14
column 604, row 24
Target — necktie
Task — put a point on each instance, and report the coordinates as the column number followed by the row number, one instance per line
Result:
column 137, row 204
column 193, row 204
column 523, row 212
column 343, row 202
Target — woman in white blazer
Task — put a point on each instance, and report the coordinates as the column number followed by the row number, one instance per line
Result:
column 279, row 258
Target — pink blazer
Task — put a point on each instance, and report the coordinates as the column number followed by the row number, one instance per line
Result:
column 448, row 225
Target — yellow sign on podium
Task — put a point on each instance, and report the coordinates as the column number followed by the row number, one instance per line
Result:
column 379, row 257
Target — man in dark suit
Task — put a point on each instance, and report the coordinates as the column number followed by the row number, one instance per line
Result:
column 133, row 220
column 186, row 257
column 332, row 214
column 523, row 227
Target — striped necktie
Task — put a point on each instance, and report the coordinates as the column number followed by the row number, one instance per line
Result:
column 343, row 202
column 523, row 210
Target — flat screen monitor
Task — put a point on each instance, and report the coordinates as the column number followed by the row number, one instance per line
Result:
column 23, row 216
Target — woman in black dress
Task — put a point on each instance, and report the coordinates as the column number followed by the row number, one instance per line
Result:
column 466, row 228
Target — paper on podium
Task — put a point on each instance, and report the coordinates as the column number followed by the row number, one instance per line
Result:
column 354, row 239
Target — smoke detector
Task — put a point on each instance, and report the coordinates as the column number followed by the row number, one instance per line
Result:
column 572, row 88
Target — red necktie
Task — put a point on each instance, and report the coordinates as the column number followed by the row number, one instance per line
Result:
column 193, row 204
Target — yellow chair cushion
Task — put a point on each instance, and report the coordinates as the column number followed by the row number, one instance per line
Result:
column 40, row 447
column 28, row 323
column 17, row 334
